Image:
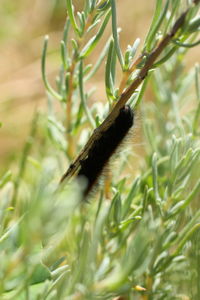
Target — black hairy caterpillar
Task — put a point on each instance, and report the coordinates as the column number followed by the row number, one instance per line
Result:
column 104, row 147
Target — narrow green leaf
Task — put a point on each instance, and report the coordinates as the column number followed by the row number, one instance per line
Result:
column 155, row 179
column 70, row 10
column 95, row 39
column 46, row 83
column 187, row 237
column 66, row 30
column 158, row 22
column 99, row 61
column 130, row 197
column 108, row 72
column 5, row 178
column 115, row 34
column 194, row 24
column 186, row 45
column 64, row 55
column 153, row 27
column 82, row 95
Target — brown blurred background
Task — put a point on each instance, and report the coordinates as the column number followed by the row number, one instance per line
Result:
column 23, row 24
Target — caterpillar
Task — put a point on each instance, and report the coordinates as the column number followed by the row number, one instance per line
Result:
column 103, row 148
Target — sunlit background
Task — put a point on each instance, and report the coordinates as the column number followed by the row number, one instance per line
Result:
column 23, row 25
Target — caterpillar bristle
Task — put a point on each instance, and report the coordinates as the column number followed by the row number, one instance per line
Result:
column 104, row 147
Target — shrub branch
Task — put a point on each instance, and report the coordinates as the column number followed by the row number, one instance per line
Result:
column 125, row 96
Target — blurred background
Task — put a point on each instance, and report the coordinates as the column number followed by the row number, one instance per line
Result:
column 23, row 24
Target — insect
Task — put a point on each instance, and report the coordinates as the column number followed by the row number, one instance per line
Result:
column 103, row 148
